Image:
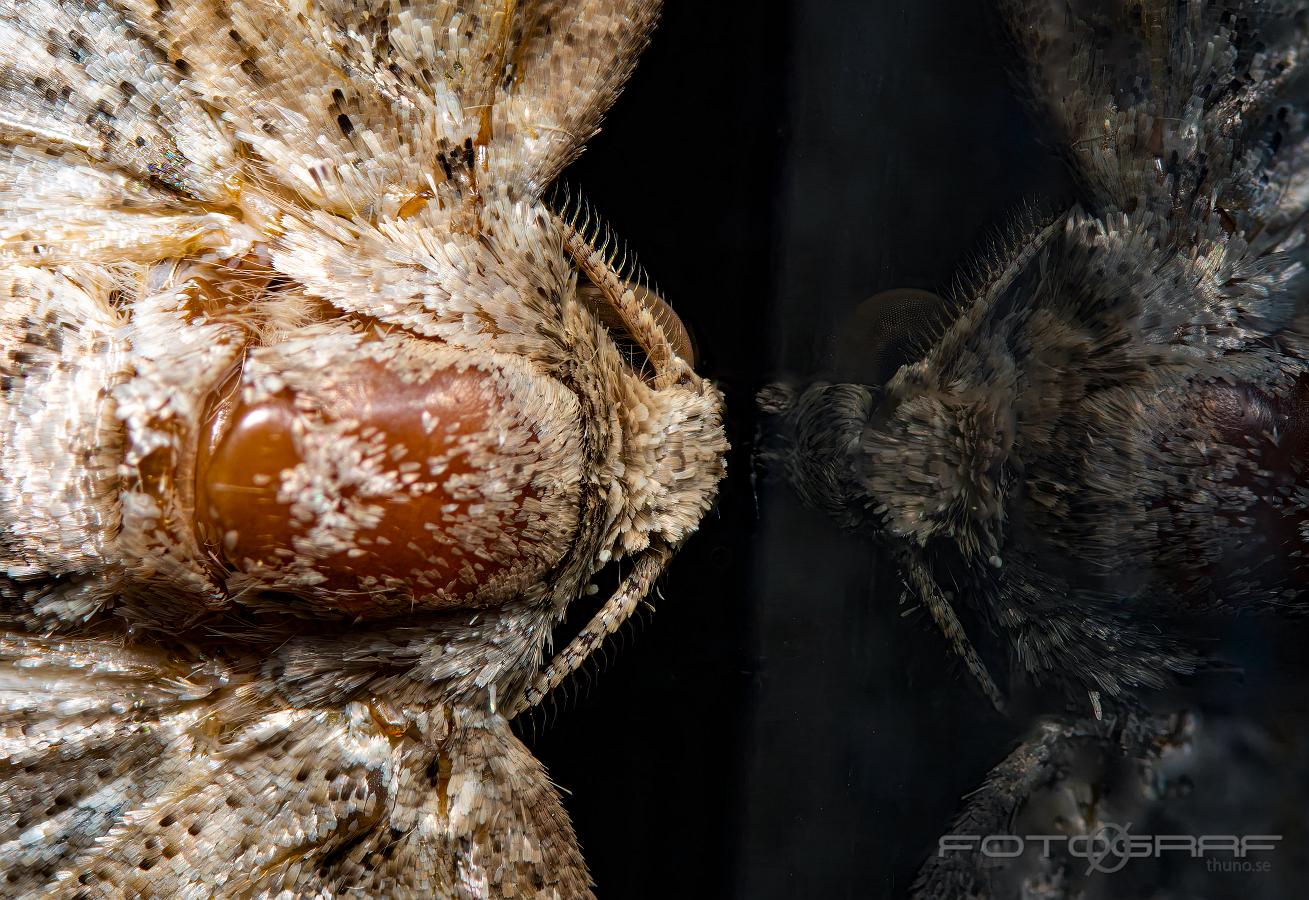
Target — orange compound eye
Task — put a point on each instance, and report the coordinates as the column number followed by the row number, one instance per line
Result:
column 387, row 484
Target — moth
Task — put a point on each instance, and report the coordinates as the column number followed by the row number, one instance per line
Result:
column 1102, row 439
column 315, row 419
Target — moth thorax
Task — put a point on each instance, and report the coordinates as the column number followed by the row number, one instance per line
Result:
column 390, row 481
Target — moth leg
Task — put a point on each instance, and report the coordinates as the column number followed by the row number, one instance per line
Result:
column 617, row 609
column 943, row 614
column 990, row 810
column 1057, row 752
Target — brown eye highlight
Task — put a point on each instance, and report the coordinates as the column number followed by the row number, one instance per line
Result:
column 626, row 305
column 678, row 334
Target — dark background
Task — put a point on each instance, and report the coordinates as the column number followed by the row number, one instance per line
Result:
column 778, row 729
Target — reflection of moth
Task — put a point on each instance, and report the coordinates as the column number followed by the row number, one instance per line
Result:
column 1108, row 436
column 1062, row 809
column 1135, row 807
column 315, row 420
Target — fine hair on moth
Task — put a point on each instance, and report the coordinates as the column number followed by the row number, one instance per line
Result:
column 315, row 417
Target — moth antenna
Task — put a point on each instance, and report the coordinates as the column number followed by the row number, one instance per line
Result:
column 557, row 198
column 668, row 367
column 943, row 614
column 572, row 204
column 620, row 638
column 616, row 610
column 582, row 221
column 583, row 680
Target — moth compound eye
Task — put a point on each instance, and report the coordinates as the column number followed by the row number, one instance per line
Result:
column 672, row 324
column 390, row 481
column 679, row 337
column 886, row 331
column 1245, row 415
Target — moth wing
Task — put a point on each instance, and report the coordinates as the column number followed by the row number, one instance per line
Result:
column 106, row 155
column 85, row 81
column 88, row 732
column 570, row 63
column 473, row 814
column 66, row 209
column 341, row 104
column 1186, row 125
column 125, row 774
column 345, row 102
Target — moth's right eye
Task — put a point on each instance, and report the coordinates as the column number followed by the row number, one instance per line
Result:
column 888, row 330
column 676, row 331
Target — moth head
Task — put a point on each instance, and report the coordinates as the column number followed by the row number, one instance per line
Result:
column 938, row 460
column 917, row 451
column 918, row 455
column 670, row 442
column 815, row 435
column 542, row 420
column 447, row 395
